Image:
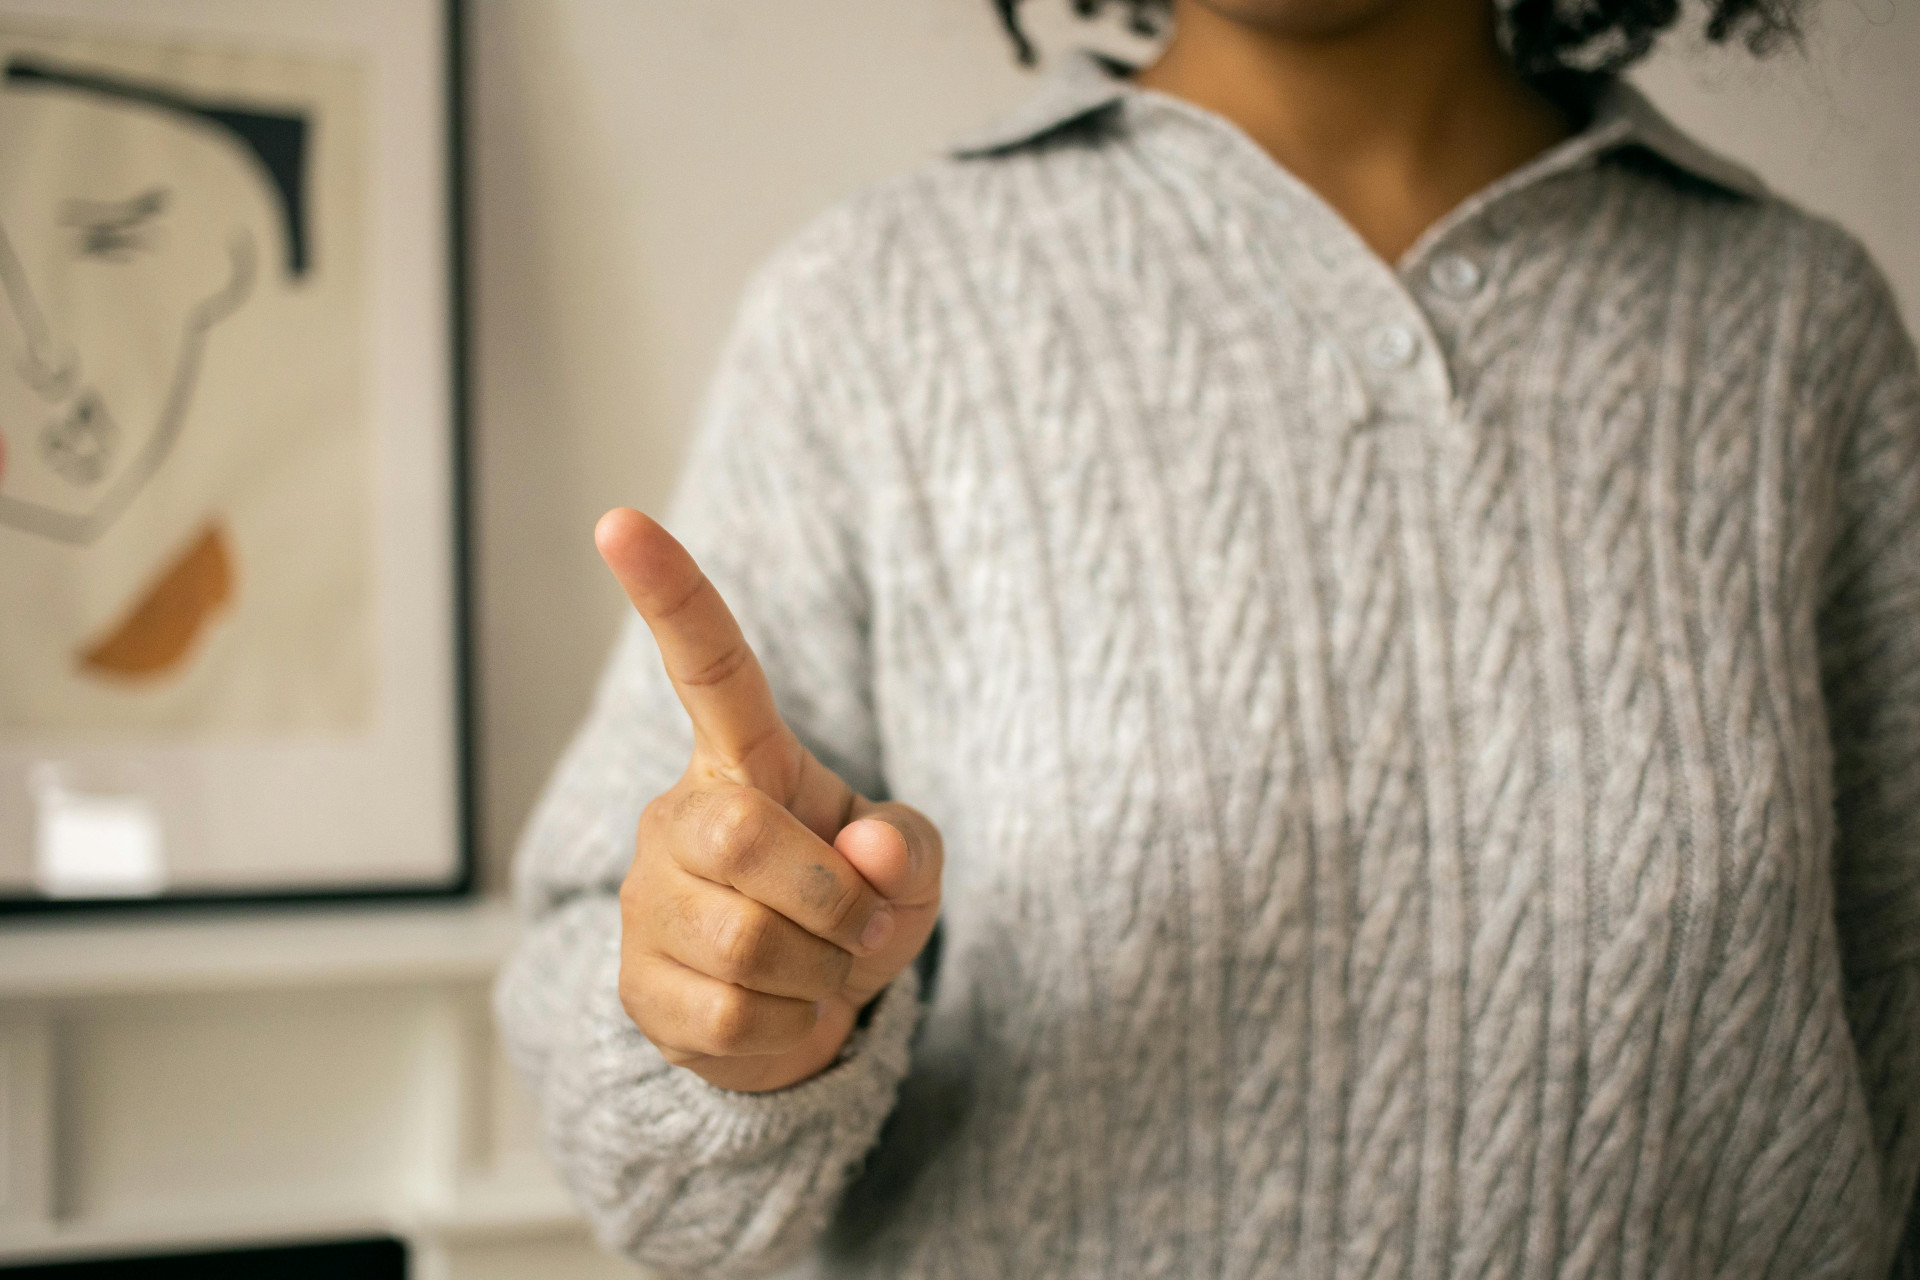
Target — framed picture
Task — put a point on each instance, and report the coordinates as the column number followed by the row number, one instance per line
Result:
column 232, row 571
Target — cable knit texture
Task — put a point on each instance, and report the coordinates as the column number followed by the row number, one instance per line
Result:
column 1429, row 757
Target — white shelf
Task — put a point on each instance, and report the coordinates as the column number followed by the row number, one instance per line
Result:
column 252, row 949
column 385, row 1108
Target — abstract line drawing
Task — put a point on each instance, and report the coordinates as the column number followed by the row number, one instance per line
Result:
column 83, row 435
column 186, row 461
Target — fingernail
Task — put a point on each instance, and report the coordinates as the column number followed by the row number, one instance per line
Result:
column 879, row 925
column 819, row 1010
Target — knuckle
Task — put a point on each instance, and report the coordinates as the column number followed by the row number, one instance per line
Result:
column 732, row 1018
column 683, row 818
column 735, row 826
column 836, row 967
column 635, row 999
column 686, row 917
column 647, row 895
column 633, row 896
column 742, row 940
column 676, row 1057
column 656, row 819
column 845, row 911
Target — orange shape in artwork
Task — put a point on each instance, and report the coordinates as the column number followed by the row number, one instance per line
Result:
column 157, row 634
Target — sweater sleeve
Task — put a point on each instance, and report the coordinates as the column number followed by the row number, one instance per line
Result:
column 674, row 1173
column 1869, row 629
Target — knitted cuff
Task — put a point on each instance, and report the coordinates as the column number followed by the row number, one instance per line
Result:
column 854, row 1094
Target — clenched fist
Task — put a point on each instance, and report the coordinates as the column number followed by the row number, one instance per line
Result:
column 767, row 902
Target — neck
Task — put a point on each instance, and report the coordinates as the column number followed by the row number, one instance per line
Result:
column 1393, row 118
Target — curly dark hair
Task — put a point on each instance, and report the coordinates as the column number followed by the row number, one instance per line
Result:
column 1549, row 40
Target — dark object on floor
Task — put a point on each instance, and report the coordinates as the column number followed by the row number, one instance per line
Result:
column 380, row 1259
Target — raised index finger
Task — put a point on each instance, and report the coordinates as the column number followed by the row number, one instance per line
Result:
column 713, row 670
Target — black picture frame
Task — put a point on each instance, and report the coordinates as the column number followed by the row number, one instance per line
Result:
column 462, row 879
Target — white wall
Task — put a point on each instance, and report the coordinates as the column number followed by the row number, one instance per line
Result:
column 637, row 157
column 634, row 160
column 1834, row 127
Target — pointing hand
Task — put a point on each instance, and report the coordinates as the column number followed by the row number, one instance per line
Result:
column 767, row 901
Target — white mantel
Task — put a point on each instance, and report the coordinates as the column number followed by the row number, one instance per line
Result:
column 196, row 1079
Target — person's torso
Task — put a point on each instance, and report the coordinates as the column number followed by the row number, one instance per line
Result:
column 1376, row 724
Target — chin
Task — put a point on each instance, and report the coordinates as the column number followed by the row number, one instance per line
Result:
column 1301, row 18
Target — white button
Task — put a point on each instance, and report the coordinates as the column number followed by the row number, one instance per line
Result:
column 1392, row 346
column 1455, row 276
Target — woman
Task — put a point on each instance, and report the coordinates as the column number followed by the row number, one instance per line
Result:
column 1394, row 574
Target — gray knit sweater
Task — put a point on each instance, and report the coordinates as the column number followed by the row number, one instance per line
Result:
column 1429, row 757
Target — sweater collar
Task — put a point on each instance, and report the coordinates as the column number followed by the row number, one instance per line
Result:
column 1086, row 85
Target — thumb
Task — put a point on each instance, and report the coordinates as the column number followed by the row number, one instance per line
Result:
column 896, row 849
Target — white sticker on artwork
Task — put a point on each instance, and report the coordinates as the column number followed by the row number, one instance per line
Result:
column 94, row 845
